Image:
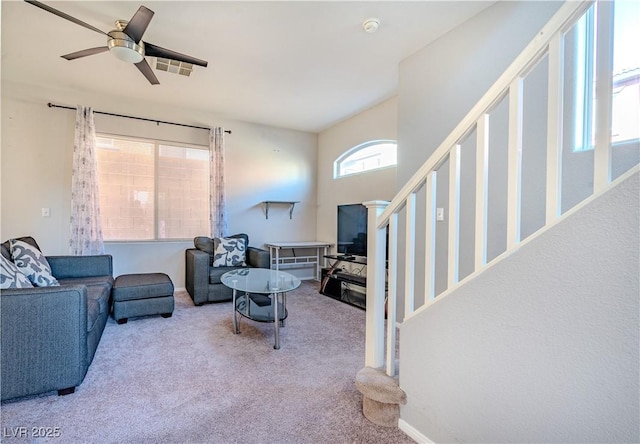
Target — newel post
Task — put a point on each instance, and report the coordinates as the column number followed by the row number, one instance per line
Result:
column 376, row 258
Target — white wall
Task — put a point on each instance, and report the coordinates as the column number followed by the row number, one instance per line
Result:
column 438, row 86
column 540, row 347
column 262, row 163
column 379, row 122
column 440, row 83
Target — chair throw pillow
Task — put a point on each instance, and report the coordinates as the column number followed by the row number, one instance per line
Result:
column 229, row 252
column 32, row 263
column 11, row 276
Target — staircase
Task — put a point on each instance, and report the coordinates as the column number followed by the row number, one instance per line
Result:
column 410, row 265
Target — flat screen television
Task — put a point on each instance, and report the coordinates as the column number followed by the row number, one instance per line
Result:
column 352, row 230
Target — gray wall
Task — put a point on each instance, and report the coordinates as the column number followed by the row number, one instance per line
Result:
column 542, row 346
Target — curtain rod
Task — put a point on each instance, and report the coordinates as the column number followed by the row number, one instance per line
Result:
column 158, row 122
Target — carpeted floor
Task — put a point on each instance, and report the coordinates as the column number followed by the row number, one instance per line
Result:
column 190, row 379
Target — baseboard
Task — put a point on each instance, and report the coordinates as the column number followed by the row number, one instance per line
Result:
column 180, row 289
column 413, row 433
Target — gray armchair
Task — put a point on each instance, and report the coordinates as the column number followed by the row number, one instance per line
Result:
column 203, row 280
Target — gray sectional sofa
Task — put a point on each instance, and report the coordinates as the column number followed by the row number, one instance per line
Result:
column 202, row 279
column 50, row 334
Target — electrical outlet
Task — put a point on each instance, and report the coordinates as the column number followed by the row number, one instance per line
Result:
column 46, row 212
column 440, row 214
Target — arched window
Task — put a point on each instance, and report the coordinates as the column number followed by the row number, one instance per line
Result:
column 367, row 156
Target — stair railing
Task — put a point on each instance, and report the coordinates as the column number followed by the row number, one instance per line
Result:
column 382, row 270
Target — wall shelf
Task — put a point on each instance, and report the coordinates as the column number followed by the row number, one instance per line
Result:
column 268, row 203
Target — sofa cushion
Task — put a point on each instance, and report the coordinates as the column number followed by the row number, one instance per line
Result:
column 93, row 313
column 98, row 289
column 6, row 245
column 70, row 267
column 100, row 293
column 89, row 281
column 215, row 273
column 204, row 243
column 229, row 252
column 32, row 263
column 6, row 250
column 11, row 276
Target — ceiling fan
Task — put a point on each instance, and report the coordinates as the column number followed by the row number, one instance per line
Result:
column 125, row 42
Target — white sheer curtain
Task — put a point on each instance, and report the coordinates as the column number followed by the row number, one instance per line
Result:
column 86, row 229
column 218, row 206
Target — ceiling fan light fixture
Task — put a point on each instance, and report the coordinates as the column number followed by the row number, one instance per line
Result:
column 128, row 46
column 125, row 49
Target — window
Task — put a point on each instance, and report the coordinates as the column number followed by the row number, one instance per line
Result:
column 585, row 82
column 626, row 77
column 150, row 190
column 625, row 125
column 367, row 156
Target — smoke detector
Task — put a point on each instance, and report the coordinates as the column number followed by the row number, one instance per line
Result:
column 371, row 25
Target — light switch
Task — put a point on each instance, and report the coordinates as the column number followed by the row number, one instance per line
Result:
column 439, row 214
column 46, row 212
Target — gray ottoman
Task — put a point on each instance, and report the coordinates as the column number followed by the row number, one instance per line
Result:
column 142, row 295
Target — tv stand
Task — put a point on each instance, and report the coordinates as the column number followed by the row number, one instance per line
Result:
column 336, row 281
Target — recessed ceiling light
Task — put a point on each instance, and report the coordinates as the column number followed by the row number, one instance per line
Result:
column 371, row 25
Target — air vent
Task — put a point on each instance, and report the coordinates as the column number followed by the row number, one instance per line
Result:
column 174, row 66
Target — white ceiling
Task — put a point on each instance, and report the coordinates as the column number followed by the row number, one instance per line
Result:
column 293, row 64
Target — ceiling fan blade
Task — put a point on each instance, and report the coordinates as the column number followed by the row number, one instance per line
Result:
column 145, row 69
column 85, row 52
column 138, row 23
column 156, row 51
column 64, row 15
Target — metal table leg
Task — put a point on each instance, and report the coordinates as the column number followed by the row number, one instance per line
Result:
column 235, row 314
column 276, row 320
column 284, row 307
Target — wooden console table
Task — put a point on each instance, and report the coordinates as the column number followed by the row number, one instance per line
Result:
column 306, row 261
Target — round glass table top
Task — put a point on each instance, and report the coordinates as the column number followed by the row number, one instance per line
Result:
column 260, row 280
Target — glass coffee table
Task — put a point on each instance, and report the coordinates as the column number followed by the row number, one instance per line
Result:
column 259, row 301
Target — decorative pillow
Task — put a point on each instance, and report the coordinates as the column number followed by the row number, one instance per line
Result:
column 32, row 263
column 11, row 276
column 6, row 252
column 229, row 252
column 6, row 245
